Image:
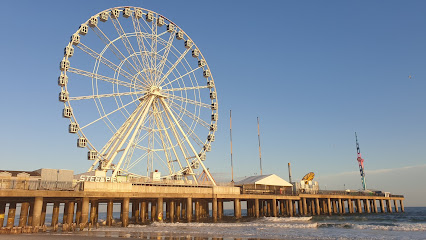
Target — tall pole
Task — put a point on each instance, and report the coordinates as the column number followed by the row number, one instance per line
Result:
column 360, row 164
column 230, row 134
column 260, row 152
column 289, row 172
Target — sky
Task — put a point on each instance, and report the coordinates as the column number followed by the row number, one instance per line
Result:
column 314, row 72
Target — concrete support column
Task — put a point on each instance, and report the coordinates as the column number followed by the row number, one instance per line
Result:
column 93, row 207
column 2, row 211
column 382, row 206
column 197, row 210
column 160, row 210
column 137, row 211
column 65, row 213
column 55, row 214
column 340, row 206
column 334, row 206
column 305, row 207
column 388, row 203
column 395, row 204
column 299, row 207
column 153, row 211
column 43, row 214
column 282, row 211
column 184, row 209
column 172, row 211
column 143, row 211
column 214, row 209
column 78, row 213
column 84, row 213
column 110, row 206
column 38, row 206
column 358, row 206
column 274, row 208
column 367, row 201
column 220, row 209
column 189, row 209
column 268, row 208
column 312, row 201
column 290, row 208
column 375, row 205
column 350, row 206
column 30, row 214
column 329, row 206
column 70, row 213
column 256, row 208
column 167, row 210
column 401, row 203
column 23, row 216
column 11, row 215
column 179, row 210
column 125, row 212
column 317, row 206
column 237, row 208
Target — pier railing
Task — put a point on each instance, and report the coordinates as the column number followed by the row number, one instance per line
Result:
column 36, row 185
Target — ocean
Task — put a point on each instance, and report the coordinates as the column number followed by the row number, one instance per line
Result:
column 408, row 225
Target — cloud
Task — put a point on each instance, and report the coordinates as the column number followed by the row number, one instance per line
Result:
column 376, row 171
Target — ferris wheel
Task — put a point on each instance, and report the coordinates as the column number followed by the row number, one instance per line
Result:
column 139, row 95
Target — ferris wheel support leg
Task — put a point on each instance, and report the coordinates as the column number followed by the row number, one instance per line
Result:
column 161, row 122
column 181, row 147
column 163, row 142
column 124, row 134
column 112, row 142
column 141, row 120
column 187, row 140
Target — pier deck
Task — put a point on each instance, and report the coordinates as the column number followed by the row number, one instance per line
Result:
column 149, row 202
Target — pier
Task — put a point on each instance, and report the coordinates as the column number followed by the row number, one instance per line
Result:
column 148, row 202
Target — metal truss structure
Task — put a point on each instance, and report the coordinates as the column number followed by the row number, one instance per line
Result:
column 132, row 79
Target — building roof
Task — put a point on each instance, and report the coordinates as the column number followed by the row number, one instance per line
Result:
column 269, row 180
column 15, row 173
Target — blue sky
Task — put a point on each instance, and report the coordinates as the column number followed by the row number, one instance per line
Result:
column 313, row 71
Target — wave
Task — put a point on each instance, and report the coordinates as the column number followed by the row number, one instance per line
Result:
column 394, row 227
column 252, row 225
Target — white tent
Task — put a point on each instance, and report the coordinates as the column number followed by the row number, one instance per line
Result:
column 268, row 180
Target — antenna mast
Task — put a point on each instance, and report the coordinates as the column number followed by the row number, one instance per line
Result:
column 260, row 152
column 360, row 163
column 230, row 135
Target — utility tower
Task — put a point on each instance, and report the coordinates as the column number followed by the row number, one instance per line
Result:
column 361, row 164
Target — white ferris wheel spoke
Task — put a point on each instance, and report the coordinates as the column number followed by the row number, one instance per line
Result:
column 190, row 131
column 126, row 43
column 176, row 135
column 108, row 43
column 105, row 61
column 105, row 95
column 190, row 114
column 140, row 39
column 169, row 45
column 164, row 145
column 140, row 121
column 185, row 88
column 186, row 74
column 187, row 140
column 102, row 78
column 173, row 66
column 187, row 100
column 106, row 115
column 161, row 122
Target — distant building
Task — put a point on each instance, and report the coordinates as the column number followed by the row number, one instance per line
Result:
column 264, row 184
column 36, row 180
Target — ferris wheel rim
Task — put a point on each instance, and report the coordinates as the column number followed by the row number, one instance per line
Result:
column 80, row 132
